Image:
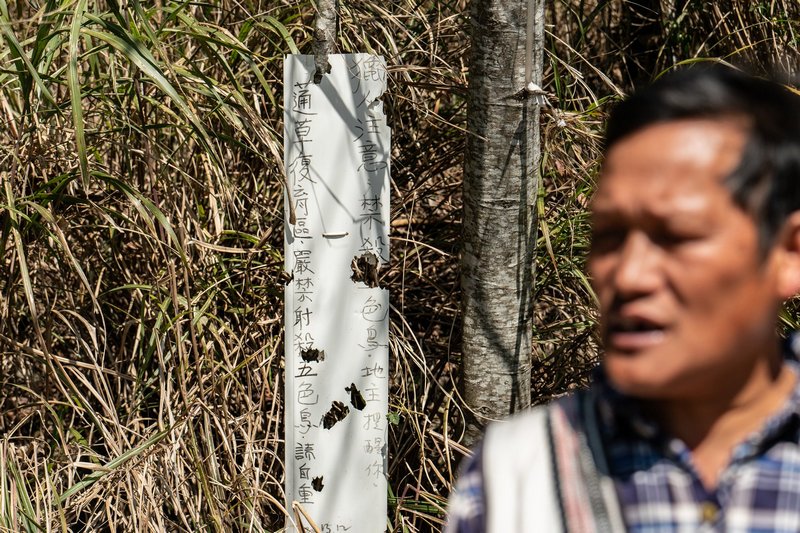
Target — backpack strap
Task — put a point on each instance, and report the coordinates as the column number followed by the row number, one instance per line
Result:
column 515, row 500
column 594, row 469
column 547, row 469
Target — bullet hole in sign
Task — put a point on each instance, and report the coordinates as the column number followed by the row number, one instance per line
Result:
column 365, row 269
column 317, row 484
column 312, row 355
column 322, row 68
column 356, row 399
column 336, row 414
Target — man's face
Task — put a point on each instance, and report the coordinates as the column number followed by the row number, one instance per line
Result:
column 687, row 301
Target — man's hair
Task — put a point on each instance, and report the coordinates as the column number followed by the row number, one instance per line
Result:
column 766, row 182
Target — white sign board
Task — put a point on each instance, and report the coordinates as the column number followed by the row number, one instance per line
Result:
column 336, row 152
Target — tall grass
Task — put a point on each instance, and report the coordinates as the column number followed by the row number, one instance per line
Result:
column 141, row 229
column 141, row 380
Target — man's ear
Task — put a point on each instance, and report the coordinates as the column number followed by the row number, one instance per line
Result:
column 789, row 263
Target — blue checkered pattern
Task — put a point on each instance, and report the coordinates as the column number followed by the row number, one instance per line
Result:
column 659, row 489
column 467, row 507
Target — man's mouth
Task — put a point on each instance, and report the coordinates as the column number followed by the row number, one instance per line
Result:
column 632, row 334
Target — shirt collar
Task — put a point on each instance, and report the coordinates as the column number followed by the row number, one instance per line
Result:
column 626, row 417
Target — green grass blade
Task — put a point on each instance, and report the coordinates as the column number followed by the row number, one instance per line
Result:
column 17, row 51
column 113, row 464
column 75, row 91
column 116, row 37
column 273, row 24
column 147, row 209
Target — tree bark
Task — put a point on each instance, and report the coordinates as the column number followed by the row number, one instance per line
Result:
column 500, row 183
column 325, row 24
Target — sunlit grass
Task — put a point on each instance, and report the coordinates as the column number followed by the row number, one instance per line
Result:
column 141, row 234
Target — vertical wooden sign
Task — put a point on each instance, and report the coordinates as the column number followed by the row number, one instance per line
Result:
column 336, row 152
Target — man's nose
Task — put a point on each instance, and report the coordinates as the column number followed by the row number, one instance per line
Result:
column 638, row 270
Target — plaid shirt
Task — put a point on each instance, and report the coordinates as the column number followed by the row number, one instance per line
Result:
column 658, row 487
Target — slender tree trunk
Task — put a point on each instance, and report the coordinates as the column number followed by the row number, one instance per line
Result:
column 500, row 184
column 325, row 26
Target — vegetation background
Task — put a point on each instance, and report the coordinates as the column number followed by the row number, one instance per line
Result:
column 141, row 221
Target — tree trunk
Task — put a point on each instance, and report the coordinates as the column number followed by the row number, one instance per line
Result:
column 325, row 26
column 500, row 183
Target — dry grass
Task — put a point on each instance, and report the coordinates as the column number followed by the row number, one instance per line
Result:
column 141, row 239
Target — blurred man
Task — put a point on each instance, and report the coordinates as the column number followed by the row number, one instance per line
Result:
column 693, row 422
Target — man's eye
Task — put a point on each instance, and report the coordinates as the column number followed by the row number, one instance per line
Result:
column 668, row 238
column 608, row 238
